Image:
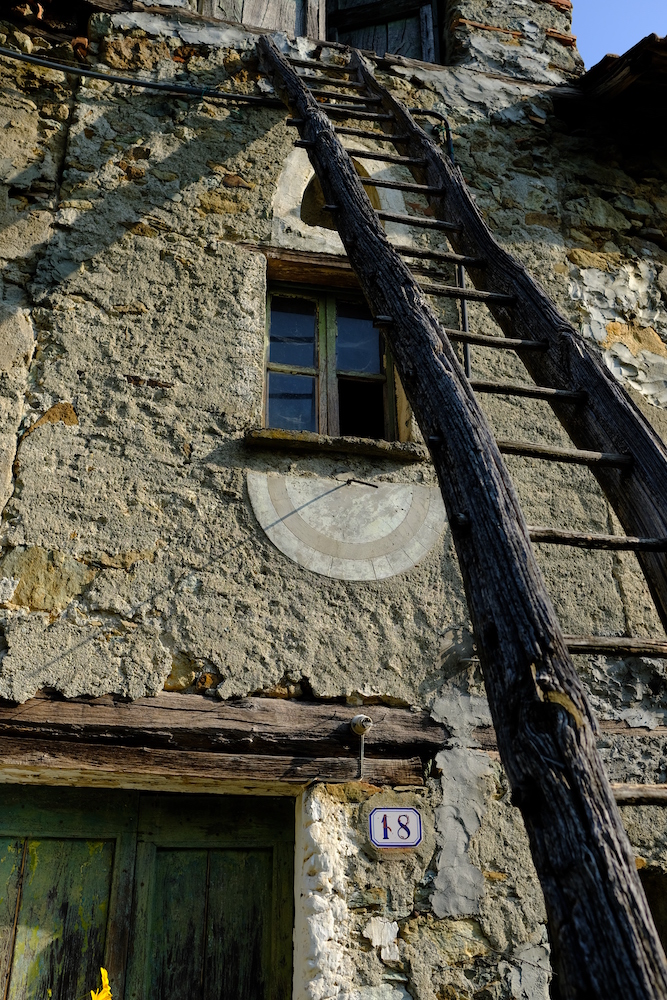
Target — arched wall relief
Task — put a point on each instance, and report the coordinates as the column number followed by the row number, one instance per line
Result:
column 289, row 230
column 348, row 530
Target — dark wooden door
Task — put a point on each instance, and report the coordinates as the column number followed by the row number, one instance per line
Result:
column 185, row 896
column 213, row 899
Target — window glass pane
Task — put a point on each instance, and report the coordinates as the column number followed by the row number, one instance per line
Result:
column 292, row 402
column 357, row 341
column 361, row 408
column 293, row 335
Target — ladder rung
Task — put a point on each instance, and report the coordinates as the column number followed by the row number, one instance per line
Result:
column 367, row 154
column 504, row 343
column 350, row 98
column 470, row 294
column 332, row 80
column 529, row 391
column 572, row 456
column 424, row 189
column 416, row 220
column 453, row 258
column 362, row 133
column 616, row 644
column 580, row 540
column 314, row 64
column 350, row 111
column 365, row 134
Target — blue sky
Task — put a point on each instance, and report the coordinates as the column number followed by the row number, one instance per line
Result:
column 603, row 26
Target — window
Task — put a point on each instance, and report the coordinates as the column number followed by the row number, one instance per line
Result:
column 403, row 27
column 176, row 895
column 328, row 368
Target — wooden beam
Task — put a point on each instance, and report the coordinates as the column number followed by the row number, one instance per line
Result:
column 301, row 267
column 271, row 438
column 193, row 723
column 35, row 761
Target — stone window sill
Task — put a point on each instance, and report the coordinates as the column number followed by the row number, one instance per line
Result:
column 396, row 451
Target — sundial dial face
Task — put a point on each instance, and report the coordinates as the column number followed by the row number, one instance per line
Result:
column 348, row 530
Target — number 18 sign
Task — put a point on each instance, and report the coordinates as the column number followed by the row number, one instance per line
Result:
column 395, row 827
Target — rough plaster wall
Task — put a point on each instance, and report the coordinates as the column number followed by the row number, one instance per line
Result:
column 524, row 49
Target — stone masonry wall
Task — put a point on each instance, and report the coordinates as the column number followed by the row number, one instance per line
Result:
column 528, row 39
column 132, row 328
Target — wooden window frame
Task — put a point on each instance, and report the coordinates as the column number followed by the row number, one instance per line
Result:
column 325, row 372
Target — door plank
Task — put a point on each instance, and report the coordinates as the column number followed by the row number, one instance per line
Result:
column 65, row 815
column 371, row 39
column 11, row 865
column 404, row 38
column 59, row 945
column 275, row 15
column 177, row 930
column 427, row 33
column 238, row 932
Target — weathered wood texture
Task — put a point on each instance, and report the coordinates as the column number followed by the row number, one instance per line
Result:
column 604, row 941
column 581, row 540
column 640, row 795
column 271, row 726
column 485, row 736
column 56, row 761
column 196, row 741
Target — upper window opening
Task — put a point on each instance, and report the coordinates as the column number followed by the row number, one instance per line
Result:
column 328, row 368
column 402, row 27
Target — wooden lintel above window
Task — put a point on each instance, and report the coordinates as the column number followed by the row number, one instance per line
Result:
column 319, row 269
column 261, row 745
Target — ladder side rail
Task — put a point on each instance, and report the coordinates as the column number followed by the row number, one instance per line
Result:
column 610, row 421
column 602, row 931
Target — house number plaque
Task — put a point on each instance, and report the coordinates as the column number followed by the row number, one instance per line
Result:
column 395, row 827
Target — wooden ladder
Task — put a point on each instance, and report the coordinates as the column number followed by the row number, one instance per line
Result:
column 602, row 934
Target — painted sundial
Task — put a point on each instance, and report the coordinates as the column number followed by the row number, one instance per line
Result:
column 346, row 529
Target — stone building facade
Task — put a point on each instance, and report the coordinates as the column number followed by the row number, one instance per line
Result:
column 163, row 537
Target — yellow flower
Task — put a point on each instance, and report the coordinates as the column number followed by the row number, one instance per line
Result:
column 105, row 992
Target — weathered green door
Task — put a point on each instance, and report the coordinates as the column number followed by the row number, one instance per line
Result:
column 178, row 896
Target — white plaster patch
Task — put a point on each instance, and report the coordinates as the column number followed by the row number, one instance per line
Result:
column 638, row 718
column 348, row 531
column 382, row 934
column 529, row 979
column 630, row 293
column 461, row 713
column 289, row 230
column 385, row 992
column 222, row 36
column 459, row 885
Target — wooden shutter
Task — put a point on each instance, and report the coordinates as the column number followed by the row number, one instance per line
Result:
column 401, row 27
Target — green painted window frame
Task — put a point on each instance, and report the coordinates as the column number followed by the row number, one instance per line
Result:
column 139, row 824
column 326, row 373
